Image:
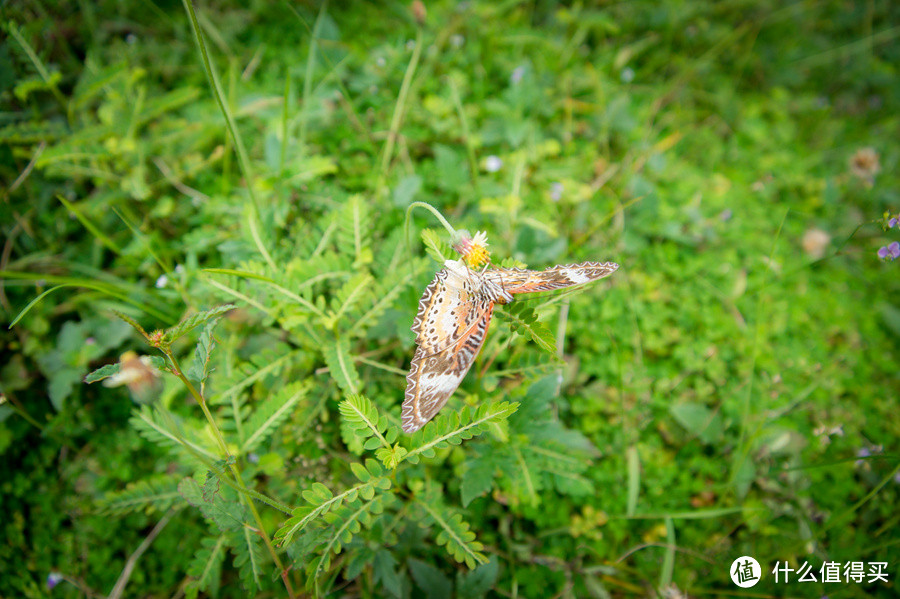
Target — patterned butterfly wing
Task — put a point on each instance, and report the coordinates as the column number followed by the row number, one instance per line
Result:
column 434, row 377
column 450, row 326
column 518, row 280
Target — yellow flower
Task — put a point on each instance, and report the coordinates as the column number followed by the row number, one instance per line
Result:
column 474, row 250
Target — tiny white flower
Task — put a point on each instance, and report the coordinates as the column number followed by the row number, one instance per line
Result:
column 456, row 40
column 162, row 281
column 492, row 164
column 556, row 191
column 517, row 75
column 179, row 268
column 380, row 61
column 410, row 44
column 627, row 75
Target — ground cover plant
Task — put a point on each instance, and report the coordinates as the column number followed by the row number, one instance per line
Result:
column 208, row 284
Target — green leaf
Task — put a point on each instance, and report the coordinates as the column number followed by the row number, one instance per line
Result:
column 477, row 478
column 192, row 322
column 351, row 293
column 340, row 365
column 321, row 501
column 221, row 507
column 199, row 369
column 266, row 419
column 164, row 428
column 361, row 418
column 524, row 321
column 454, row 533
column 346, row 522
column 157, row 493
column 431, row 580
column 435, row 245
column 249, row 556
column 699, row 420
column 474, row 584
column 206, row 567
column 453, row 428
column 354, row 227
column 385, row 570
column 103, row 372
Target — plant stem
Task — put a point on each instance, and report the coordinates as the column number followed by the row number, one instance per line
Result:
column 232, row 465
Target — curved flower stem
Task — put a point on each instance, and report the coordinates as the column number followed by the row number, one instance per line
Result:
column 231, row 464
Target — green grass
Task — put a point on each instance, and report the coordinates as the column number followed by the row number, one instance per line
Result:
column 731, row 390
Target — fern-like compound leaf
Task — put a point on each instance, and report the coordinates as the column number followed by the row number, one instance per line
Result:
column 266, row 418
column 155, row 493
column 195, row 320
column 340, row 365
column 454, row 427
column 205, row 568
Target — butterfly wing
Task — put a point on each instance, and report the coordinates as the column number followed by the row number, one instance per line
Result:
column 518, row 280
column 450, row 328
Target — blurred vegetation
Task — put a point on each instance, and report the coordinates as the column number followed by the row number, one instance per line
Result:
column 731, row 390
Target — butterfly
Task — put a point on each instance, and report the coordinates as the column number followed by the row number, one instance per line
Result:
column 453, row 318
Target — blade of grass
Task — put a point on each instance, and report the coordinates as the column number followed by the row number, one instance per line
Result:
column 399, row 109
column 668, row 565
column 634, row 479
column 243, row 160
column 285, row 115
column 308, row 76
column 743, row 450
column 692, row 515
column 104, row 288
column 94, row 230
column 345, row 99
column 467, row 138
column 167, row 268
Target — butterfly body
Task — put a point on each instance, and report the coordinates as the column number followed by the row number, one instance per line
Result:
column 452, row 322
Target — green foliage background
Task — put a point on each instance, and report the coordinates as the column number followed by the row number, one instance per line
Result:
column 731, row 390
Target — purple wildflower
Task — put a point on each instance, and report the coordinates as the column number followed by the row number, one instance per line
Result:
column 893, row 222
column 890, row 251
column 53, row 579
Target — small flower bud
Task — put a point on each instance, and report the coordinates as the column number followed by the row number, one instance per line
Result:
column 417, row 8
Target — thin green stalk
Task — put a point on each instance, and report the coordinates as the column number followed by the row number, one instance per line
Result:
column 6, row 399
column 90, row 226
column 232, row 465
column 399, row 108
column 308, row 76
column 464, row 122
column 243, row 160
column 437, row 214
column 220, row 474
column 284, row 122
column 345, row 98
column 742, row 450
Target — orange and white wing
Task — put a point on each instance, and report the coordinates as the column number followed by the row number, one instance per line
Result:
column 518, row 280
column 450, row 328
